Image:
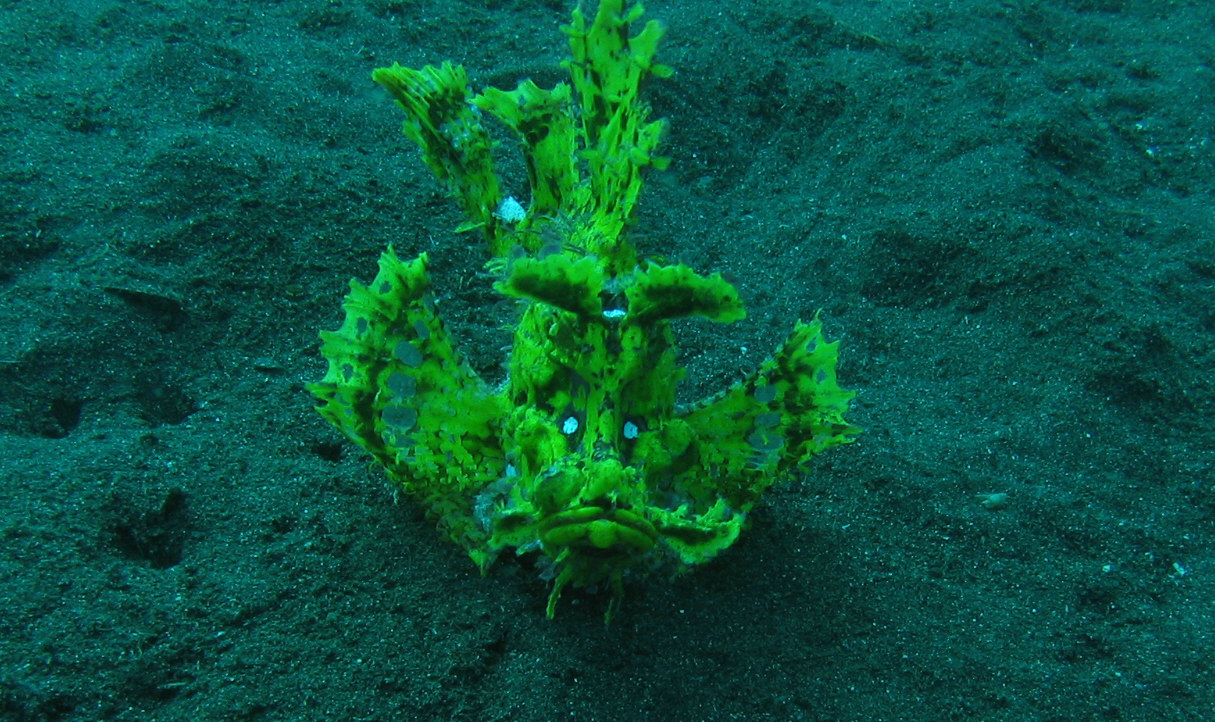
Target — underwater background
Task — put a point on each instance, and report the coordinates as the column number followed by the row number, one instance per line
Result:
column 1005, row 210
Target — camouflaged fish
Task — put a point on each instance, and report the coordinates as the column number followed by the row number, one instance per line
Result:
column 582, row 458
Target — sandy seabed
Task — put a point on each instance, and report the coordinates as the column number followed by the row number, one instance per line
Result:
column 1003, row 208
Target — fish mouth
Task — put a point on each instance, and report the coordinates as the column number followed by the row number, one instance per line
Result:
column 597, row 527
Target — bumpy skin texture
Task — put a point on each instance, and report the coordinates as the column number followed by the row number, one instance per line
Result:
column 582, row 458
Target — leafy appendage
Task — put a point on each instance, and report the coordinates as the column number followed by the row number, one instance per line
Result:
column 397, row 388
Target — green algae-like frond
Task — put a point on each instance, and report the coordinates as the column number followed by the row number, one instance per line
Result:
column 582, row 459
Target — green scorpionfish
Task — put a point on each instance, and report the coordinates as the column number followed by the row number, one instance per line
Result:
column 581, row 457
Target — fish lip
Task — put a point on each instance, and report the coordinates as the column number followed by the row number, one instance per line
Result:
column 599, row 527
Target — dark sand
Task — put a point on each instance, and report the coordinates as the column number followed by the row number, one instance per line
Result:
column 1003, row 207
